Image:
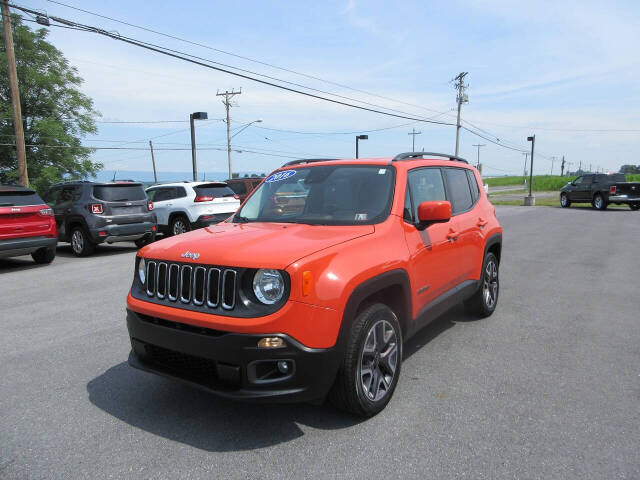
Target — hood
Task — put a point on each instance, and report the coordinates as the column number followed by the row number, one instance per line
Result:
column 252, row 245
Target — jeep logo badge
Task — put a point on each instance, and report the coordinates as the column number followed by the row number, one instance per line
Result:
column 192, row 256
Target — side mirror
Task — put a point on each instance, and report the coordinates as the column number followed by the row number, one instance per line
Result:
column 433, row 212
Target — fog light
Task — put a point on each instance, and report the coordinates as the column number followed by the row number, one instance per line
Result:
column 283, row 367
column 270, row 342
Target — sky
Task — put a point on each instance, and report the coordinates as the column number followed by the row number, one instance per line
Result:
column 566, row 71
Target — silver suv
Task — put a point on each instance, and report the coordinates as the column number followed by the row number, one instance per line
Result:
column 183, row 206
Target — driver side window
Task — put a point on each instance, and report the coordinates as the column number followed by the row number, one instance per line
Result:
column 578, row 181
column 425, row 185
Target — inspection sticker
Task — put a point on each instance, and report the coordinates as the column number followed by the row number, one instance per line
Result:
column 361, row 216
column 276, row 177
column 382, row 171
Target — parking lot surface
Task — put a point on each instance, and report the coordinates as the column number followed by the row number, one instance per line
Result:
column 546, row 388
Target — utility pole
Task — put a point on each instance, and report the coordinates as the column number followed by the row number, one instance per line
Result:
column 15, row 95
column 562, row 167
column 414, row 133
column 553, row 160
column 228, row 95
column 580, row 166
column 153, row 161
column 479, row 145
column 460, row 99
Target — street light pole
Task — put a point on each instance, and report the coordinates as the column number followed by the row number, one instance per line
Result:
column 358, row 138
column 530, row 200
column 195, row 116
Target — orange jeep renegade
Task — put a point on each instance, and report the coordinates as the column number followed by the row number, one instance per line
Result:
column 312, row 287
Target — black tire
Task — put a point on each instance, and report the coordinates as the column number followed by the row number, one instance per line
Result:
column 44, row 255
column 483, row 303
column 179, row 224
column 599, row 202
column 349, row 392
column 141, row 242
column 81, row 243
column 564, row 200
column 634, row 206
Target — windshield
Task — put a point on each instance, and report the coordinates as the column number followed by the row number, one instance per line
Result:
column 323, row 195
column 119, row 193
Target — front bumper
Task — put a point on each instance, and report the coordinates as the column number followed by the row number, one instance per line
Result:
column 123, row 233
column 14, row 247
column 230, row 364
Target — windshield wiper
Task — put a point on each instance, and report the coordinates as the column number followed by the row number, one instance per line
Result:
column 240, row 219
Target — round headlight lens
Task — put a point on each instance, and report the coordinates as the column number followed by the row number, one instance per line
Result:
column 268, row 285
column 142, row 270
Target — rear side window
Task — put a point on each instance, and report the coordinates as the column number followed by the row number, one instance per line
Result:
column 19, row 198
column 214, row 191
column 458, row 189
column 119, row 193
column 473, row 184
column 238, row 187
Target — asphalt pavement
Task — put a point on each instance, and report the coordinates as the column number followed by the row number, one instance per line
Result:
column 546, row 388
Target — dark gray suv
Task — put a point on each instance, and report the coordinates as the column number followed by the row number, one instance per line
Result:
column 89, row 213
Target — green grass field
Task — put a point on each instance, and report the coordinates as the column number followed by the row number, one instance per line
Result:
column 541, row 182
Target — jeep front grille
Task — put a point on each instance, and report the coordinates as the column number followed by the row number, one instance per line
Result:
column 198, row 285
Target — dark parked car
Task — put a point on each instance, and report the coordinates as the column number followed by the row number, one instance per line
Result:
column 89, row 213
column 27, row 226
column 243, row 186
column 600, row 190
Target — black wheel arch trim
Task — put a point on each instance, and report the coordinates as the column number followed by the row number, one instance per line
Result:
column 495, row 239
column 392, row 278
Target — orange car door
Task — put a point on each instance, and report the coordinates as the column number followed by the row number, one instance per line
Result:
column 463, row 192
column 432, row 250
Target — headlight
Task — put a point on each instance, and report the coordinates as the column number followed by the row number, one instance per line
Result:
column 268, row 285
column 142, row 270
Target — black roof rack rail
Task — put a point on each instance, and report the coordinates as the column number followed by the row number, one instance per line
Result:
column 308, row 160
column 411, row 155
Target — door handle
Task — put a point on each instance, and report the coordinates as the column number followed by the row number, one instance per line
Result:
column 481, row 222
column 452, row 236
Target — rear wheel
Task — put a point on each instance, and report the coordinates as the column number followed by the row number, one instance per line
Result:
column 484, row 301
column 599, row 203
column 141, row 242
column 44, row 255
column 81, row 244
column 370, row 369
column 179, row 225
column 564, row 200
column 634, row 206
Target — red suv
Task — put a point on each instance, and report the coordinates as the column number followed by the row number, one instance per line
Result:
column 312, row 287
column 27, row 225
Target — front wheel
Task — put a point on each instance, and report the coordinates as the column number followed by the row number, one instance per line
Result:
column 484, row 301
column 370, row 368
column 564, row 200
column 599, row 203
column 634, row 206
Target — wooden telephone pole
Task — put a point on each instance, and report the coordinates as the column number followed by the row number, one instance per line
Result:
column 15, row 94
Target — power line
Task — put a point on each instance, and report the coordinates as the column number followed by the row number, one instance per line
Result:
column 244, row 57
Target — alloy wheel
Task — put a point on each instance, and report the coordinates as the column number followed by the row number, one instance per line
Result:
column 77, row 241
column 490, row 284
column 179, row 227
column 598, row 202
column 379, row 360
column 563, row 200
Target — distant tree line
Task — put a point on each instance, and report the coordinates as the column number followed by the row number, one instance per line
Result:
column 630, row 169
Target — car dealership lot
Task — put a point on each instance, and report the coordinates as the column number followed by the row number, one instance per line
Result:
column 548, row 387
